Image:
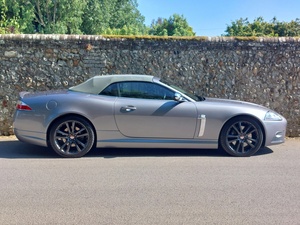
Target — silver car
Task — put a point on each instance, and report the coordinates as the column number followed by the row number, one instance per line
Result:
column 140, row 111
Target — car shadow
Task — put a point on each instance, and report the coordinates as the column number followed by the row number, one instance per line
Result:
column 17, row 150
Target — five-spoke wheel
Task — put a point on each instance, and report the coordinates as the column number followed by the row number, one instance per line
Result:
column 72, row 137
column 241, row 136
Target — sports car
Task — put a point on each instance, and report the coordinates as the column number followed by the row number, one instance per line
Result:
column 142, row 111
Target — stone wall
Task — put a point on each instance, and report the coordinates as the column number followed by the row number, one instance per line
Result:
column 264, row 70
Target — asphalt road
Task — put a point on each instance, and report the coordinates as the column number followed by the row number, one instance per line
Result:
column 149, row 186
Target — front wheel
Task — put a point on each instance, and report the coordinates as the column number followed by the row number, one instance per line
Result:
column 72, row 137
column 241, row 136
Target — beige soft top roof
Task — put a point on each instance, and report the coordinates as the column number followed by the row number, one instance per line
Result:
column 96, row 84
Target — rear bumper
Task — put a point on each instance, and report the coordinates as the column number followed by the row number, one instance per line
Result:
column 31, row 137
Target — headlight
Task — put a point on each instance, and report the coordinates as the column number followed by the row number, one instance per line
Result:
column 272, row 116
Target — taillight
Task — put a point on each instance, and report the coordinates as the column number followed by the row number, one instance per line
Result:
column 23, row 106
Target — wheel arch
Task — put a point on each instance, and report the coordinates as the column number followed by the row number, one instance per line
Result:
column 69, row 115
column 248, row 116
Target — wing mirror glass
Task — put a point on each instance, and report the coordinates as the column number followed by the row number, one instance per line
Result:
column 178, row 97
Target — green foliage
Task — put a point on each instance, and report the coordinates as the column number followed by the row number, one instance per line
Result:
column 16, row 16
column 176, row 25
column 116, row 17
column 113, row 17
column 71, row 17
column 107, row 17
column 125, row 30
column 3, row 20
column 259, row 28
column 93, row 18
column 58, row 16
column 43, row 16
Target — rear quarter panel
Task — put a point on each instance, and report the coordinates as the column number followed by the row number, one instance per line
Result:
column 46, row 108
column 97, row 109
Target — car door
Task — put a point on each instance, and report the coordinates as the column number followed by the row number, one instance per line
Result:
column 147, row 109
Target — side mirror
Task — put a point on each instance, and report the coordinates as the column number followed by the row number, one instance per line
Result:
column 178, row 97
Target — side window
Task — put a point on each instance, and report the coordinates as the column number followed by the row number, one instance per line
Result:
column 145, row 90
column 111, row 90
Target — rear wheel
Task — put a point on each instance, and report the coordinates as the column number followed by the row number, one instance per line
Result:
column 72, row 137
column 241, row 136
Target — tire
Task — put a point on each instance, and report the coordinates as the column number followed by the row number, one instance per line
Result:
column 241, row 136
column 71, row 137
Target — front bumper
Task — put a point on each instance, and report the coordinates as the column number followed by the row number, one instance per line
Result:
column 275, row 132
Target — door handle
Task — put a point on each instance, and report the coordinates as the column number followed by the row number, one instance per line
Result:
column 128, row 108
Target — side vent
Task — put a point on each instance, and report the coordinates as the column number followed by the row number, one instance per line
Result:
column 202, row 119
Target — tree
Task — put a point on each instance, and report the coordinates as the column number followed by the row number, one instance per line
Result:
column 58, row 16
column 176, row 25
column 113, row 17
column 3, row 21
column 259, row 27
column 16, row 16
column 43, row 16
column 96, row 17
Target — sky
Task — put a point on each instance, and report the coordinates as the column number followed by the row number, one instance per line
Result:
column 211, row 17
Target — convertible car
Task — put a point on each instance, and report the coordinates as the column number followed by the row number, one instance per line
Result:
column 141, row 111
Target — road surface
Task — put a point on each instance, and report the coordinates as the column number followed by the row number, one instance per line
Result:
column 149, row 186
